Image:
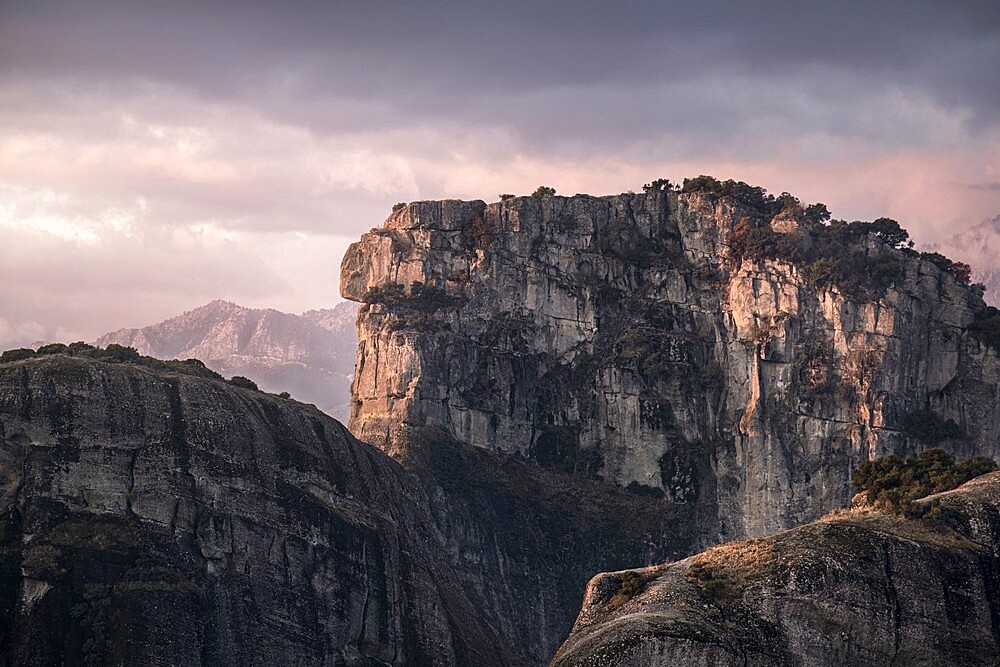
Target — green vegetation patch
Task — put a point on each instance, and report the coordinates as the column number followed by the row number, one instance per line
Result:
column 829, row 254
column 419, row 297
column 722, row 574
column 893, row 484
column 630, row 584
column 986, row 327
column 748, row 195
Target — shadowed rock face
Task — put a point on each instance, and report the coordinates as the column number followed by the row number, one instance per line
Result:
column 156, row 518
column 855, row 588
column 616, row 338
column 525, row 540
column 162, row 519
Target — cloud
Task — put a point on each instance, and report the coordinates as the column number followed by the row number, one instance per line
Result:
column 156, row 156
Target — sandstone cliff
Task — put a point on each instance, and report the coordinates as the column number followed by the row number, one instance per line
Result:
column 621, row 338
column 858, row 587
column 310, row 356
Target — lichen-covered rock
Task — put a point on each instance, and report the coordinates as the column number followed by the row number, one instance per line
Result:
column 150, row 518
column 620, row 338
column 857, row 587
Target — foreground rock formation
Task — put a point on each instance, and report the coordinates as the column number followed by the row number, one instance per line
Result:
column 162, row 519
column 156, row 518
column 621, row 338
column 858, row 587
column 310, row 355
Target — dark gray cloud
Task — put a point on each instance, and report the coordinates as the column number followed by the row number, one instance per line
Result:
column 156, row 155
column 346, row 66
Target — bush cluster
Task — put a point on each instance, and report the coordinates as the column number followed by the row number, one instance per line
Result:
column 829, row 254
column 986, row 327
column 894, row 484
column 630, row 584
column 960, row 271
column 389, row 293
column 713, row 582
column 749, row 195
column 658, row 185
column 243, row 383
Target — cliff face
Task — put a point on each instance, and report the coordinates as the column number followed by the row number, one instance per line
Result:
column 310, row 356
column 157, row 518
column 856, row 588
column 619, row 338
column 161, row 519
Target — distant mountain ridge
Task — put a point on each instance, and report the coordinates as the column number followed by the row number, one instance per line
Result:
column 311, row 356
column 979, row 246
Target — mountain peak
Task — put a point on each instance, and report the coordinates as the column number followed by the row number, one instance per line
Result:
column 311, row 357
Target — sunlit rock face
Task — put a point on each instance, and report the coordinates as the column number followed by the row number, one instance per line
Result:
column 618, row 338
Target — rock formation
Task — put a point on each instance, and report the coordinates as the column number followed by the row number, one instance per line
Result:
column 858, row 587
column 621, row 338
column 572, row 385
column 161, row 519
column 151, row 517
column 311, row 356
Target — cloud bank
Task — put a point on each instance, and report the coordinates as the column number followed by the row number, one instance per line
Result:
column 156, row 156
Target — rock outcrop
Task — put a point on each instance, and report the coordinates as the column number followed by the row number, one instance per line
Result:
column 620, row 338
column 858, row 587
column 151, row 517
column 311, row 355
column 162, row 519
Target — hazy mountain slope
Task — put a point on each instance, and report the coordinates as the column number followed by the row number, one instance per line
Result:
column 310, row 356
column 857, row 588
column 979, row 247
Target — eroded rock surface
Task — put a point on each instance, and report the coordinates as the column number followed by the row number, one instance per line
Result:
column 617, row 338
column 157, row 518
column 161, row 519
column 858, row 587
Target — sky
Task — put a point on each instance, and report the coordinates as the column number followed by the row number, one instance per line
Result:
column 156, row 156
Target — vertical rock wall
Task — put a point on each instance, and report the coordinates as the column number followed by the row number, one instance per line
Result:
column 617, row 338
